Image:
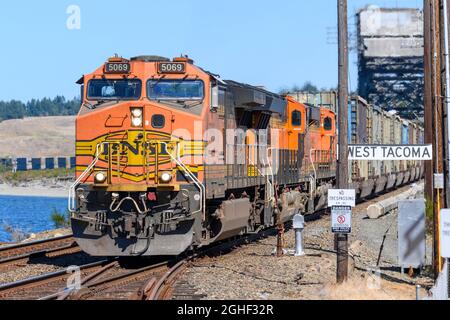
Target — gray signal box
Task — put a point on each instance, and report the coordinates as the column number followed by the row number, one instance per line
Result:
column 411, row 233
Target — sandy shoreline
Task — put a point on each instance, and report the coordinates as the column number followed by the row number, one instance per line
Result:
column 7, row 190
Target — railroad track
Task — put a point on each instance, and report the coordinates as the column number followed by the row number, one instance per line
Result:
column 36, row 287
column 45, row 246
column 20, row 255
column 117, row 280
column 59, row 252
column 167, row 286
column 163, row 288
column 121, row 279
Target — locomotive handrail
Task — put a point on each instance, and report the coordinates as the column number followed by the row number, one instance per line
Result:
column 265, row 175
column 271, row 182
column 200, row 186
column 71, row 200
column 312, row 162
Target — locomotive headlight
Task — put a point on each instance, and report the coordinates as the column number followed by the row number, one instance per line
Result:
column 137, row 122
column 136, row 117
column 136, row 112
column 165, row 177
column 100, row 177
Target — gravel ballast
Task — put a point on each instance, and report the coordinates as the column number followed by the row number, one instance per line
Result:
column 252, row 272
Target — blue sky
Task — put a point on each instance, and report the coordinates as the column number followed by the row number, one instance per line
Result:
column 272, row 43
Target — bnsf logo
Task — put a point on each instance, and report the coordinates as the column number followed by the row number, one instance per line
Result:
column 138, row 148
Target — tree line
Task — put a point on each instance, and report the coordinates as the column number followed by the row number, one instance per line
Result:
column 310, row 88
column 58, row 106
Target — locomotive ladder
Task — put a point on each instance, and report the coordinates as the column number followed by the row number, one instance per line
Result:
column 100, row 148
column 200, row 186
column 71, row 200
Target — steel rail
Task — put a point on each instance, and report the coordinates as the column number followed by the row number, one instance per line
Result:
column 93, row 281
column 49, row 253
column 45, row 278
column 161, row 288
column 62, row 295
column 125, row 276
column 32, row 243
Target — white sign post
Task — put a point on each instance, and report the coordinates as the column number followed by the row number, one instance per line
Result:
column 445, row 233
column 341, row 197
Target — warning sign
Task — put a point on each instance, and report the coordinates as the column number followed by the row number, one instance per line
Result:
column 341, row 219
column 341, row 197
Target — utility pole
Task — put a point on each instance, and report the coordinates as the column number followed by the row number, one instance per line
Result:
column 438, row 128
column 428, row 107
column 428, row 111
column 434, row 116
column 342, row 167
column 437, row 105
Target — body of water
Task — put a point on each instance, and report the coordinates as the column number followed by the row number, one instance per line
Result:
column 29, row 214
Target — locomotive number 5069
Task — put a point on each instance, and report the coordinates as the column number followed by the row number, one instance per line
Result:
column 121, row 67
column 171, row 67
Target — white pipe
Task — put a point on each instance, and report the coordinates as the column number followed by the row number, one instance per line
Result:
column 299, row 243
column 447, row 74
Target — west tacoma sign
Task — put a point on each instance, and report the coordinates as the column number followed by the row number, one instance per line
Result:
column 390, row 152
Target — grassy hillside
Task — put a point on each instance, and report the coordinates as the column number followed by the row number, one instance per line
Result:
column 38, row 137
column 27, row 176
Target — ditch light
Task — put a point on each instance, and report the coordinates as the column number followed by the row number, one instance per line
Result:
column 100, row 177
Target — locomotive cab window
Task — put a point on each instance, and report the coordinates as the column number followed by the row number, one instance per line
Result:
column 296, row 118
column 328, row 124
column 114, row 89
column 175, row 90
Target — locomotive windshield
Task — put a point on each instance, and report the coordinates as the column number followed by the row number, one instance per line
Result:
column 176, row 90
column 112, row 89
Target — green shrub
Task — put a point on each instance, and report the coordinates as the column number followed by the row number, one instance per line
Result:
column 60, row 220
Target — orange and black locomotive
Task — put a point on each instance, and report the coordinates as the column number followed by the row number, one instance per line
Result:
column 170, row 157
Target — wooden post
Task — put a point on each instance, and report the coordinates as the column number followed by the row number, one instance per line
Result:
column 342, row 167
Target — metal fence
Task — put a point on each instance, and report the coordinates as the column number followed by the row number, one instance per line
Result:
column 25, row 164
